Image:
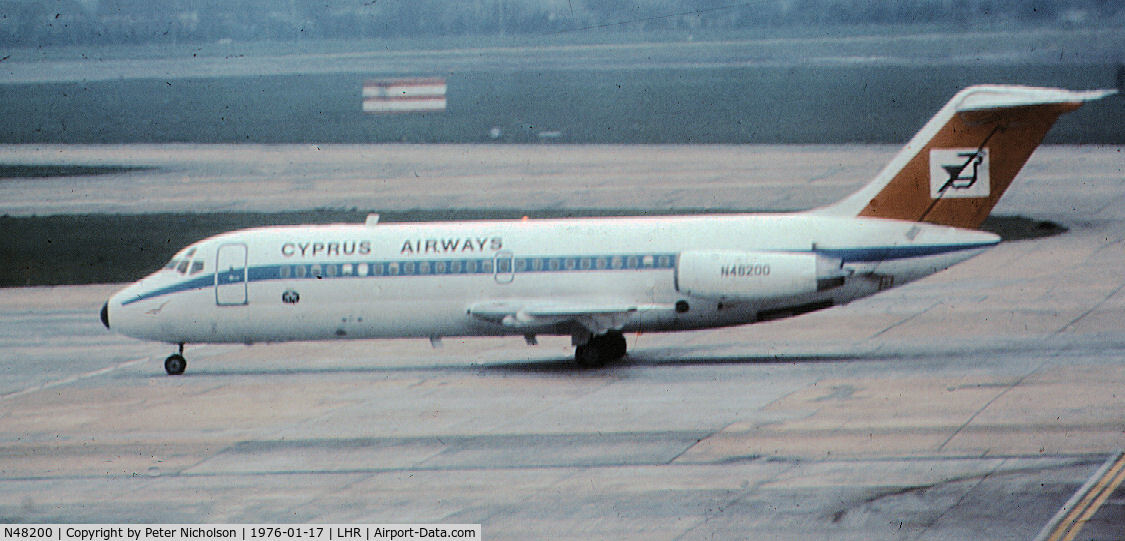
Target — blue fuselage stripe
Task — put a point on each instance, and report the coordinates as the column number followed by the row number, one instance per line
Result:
column 890, row 253
column 507, row 265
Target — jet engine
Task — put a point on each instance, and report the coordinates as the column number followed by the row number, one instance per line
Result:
column 749, row 276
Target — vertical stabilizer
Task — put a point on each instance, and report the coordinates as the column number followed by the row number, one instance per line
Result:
column 958, row 165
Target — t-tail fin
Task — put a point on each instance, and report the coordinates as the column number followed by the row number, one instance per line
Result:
column 959, row 164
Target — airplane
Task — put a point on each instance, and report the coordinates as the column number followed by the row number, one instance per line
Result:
column 596, row 279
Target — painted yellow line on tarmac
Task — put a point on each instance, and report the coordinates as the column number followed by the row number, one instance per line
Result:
column 1099, row 491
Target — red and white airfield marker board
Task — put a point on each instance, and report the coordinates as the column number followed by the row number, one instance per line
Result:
column 412, row 95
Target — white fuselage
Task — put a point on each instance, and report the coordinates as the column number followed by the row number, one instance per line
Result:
column 596, row 279
column 429, row 279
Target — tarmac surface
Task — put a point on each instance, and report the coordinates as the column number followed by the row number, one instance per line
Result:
column 938, row 46
column 219, row 178
column 973, row 404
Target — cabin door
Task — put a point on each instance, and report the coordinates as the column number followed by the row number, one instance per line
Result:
column 230, row 275
column 504, row 267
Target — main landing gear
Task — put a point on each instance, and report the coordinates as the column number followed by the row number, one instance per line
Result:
column 601, row 350
column 175, row 364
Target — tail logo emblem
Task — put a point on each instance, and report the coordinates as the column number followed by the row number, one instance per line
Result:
column 959, row 172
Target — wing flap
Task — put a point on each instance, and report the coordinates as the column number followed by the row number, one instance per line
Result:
column 596, row 316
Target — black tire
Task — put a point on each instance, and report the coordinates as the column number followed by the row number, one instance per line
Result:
column 601, row 350
column 175, row 364
column 615, row 345
column 589, row 356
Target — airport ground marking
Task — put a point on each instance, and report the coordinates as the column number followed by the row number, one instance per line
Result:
column 988, row 404
column 74, row 378
column 1091, row 310
column 905, row 320
column 1085, row 503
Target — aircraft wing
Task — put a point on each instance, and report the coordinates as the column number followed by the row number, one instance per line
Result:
column 596, row 317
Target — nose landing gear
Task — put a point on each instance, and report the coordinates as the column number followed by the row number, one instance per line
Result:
column 175, row 364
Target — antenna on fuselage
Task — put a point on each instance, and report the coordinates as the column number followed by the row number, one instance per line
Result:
column 372, row 220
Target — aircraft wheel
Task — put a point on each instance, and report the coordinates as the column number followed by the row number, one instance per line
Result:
column 589, row 356
column 600, row 350
column 615, row 345
column 175, row 364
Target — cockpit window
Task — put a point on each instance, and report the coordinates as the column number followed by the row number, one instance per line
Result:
column 182, row 263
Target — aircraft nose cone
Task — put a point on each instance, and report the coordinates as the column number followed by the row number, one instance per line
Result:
column 105, row 314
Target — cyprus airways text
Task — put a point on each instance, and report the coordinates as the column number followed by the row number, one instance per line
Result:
column 326, row 248
column 447, row 245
